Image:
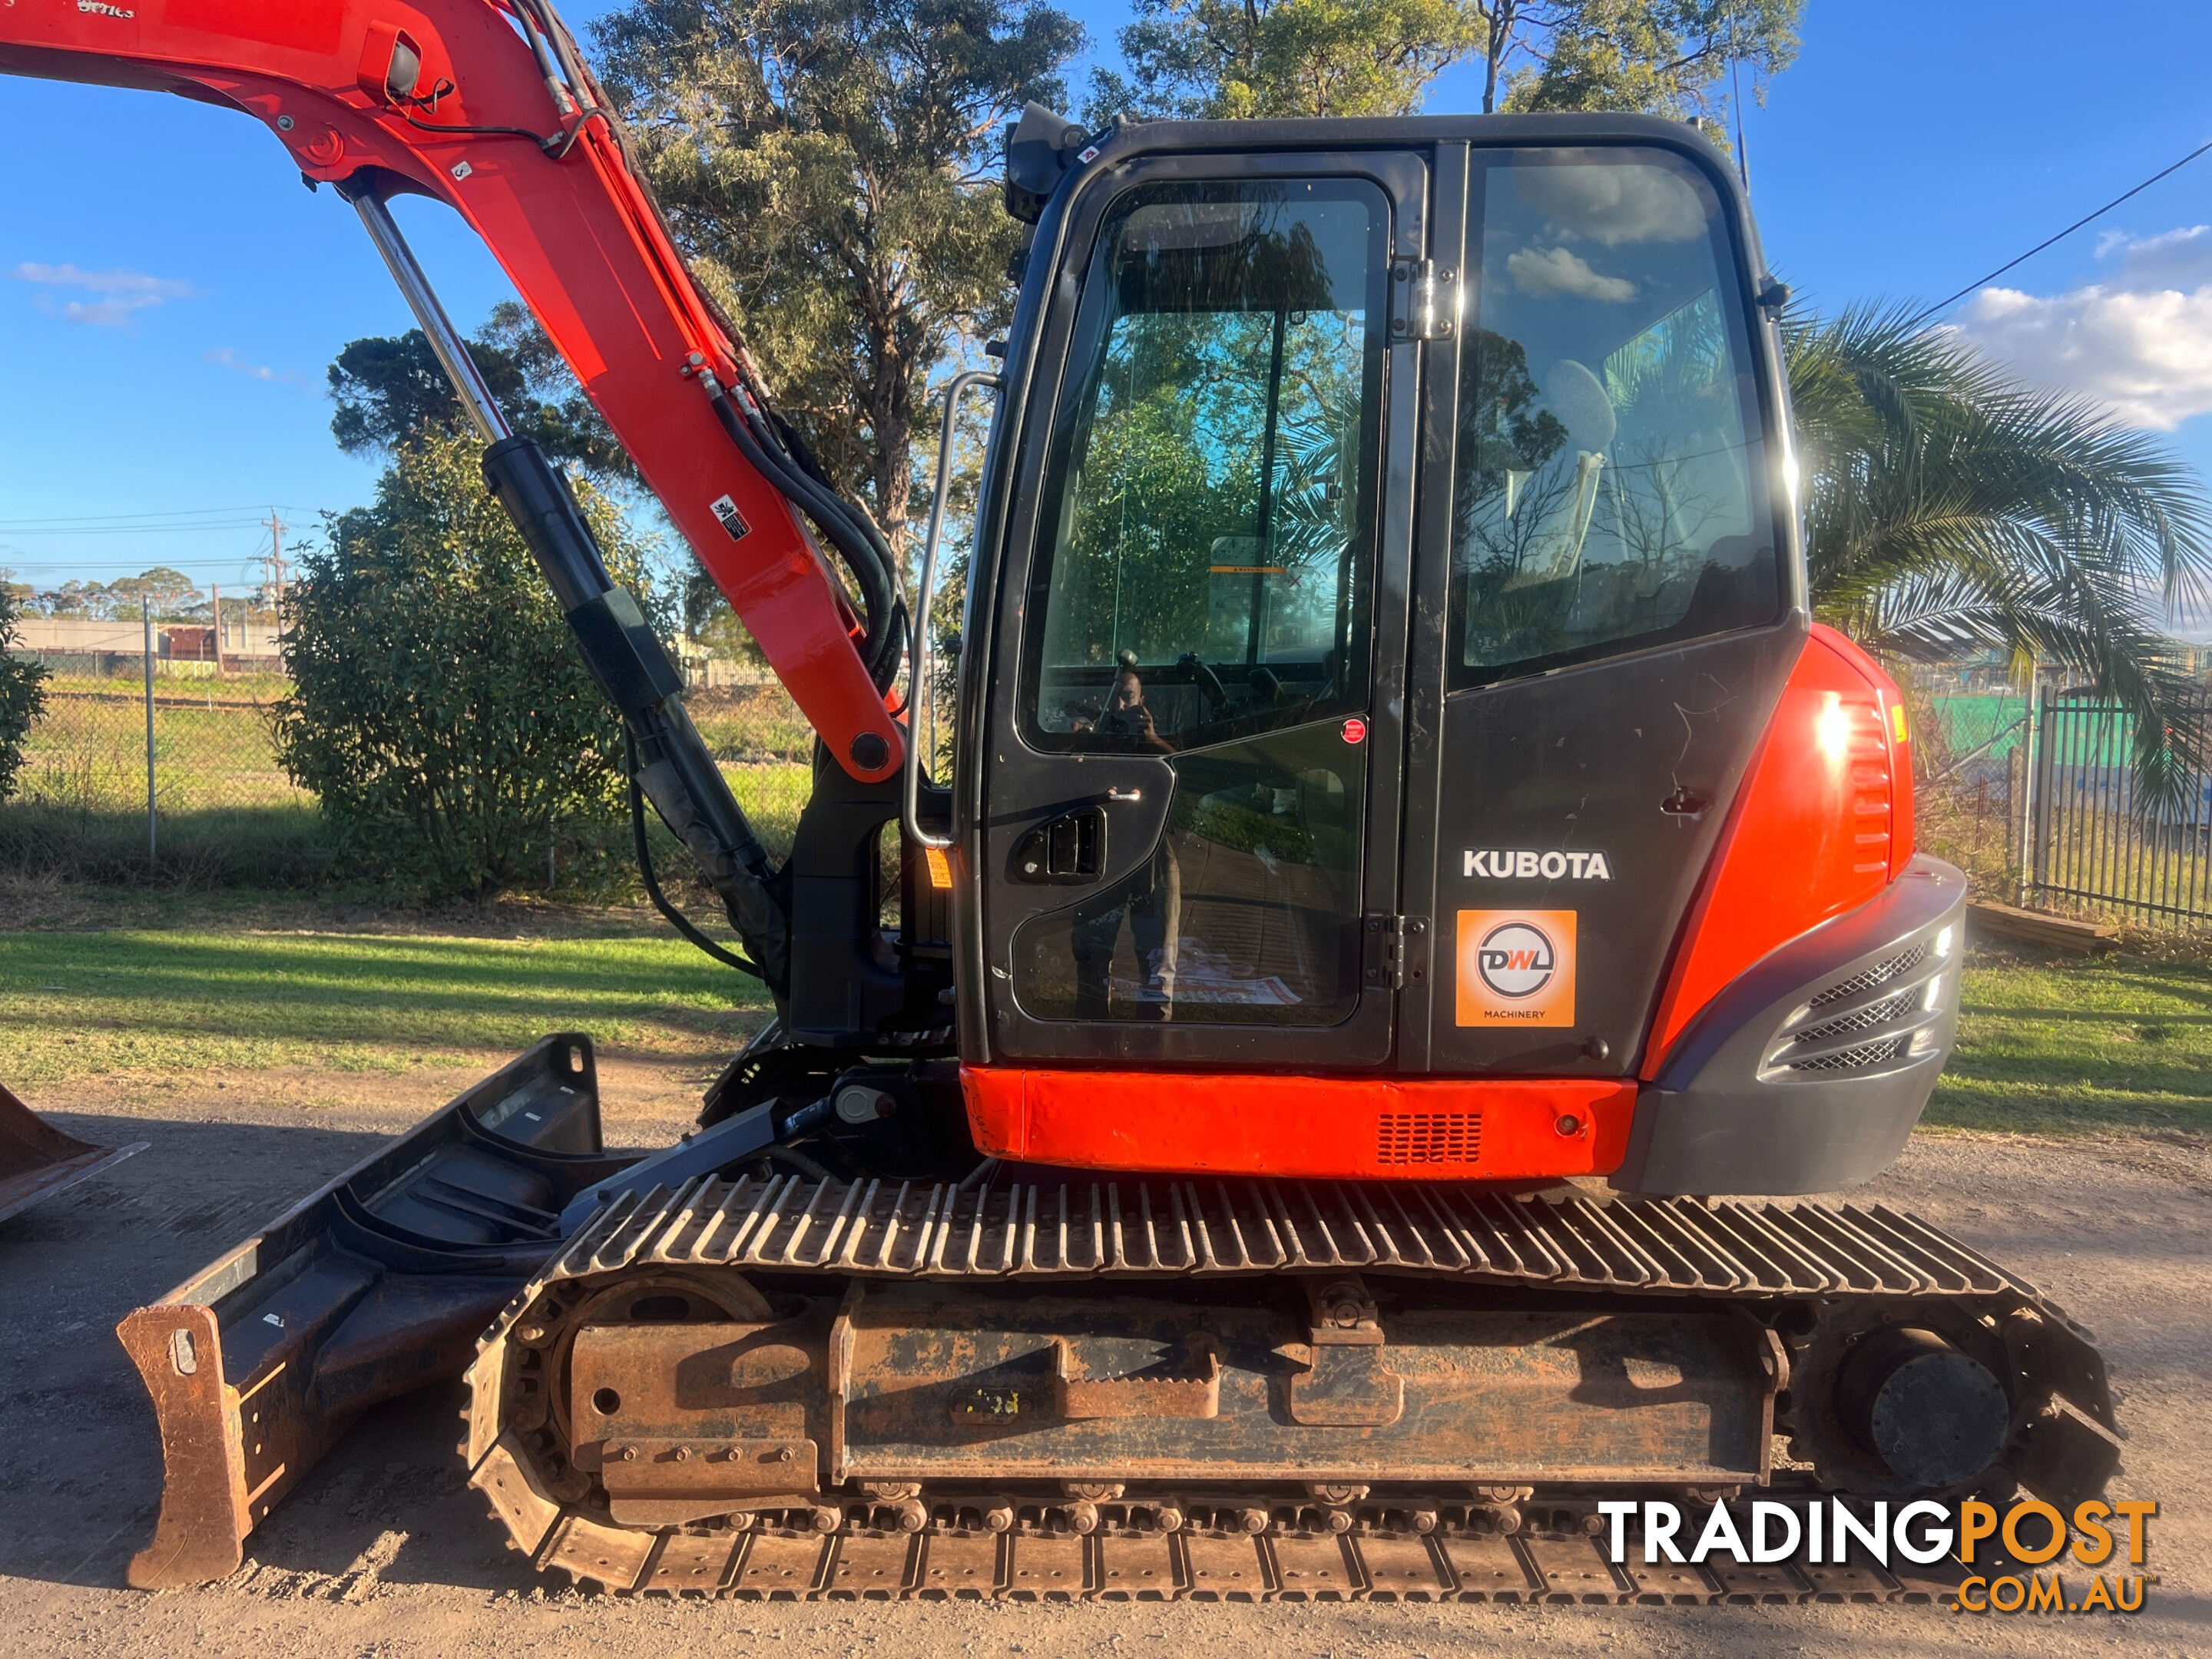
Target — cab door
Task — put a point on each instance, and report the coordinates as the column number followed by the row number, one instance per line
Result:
column 1611, row 593
column 1190, row 775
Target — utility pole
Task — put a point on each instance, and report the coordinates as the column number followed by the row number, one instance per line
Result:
column 215, row 608
column 276, row 562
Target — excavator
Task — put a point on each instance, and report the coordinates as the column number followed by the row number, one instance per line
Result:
column 1302, row 1108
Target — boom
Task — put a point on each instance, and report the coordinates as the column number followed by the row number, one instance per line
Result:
column 488, row 108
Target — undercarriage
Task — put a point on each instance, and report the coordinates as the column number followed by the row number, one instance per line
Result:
column 797, row 1387
column 1027, row 1381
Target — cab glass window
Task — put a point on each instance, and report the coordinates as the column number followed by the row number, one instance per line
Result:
column 1204, row 573
column 1610, row 484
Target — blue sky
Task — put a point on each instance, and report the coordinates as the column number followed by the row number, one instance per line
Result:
column 170, row 294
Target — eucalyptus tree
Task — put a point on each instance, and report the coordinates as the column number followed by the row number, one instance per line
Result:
column 831, row 170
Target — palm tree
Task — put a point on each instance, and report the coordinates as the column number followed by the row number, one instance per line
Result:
column 1949, row 509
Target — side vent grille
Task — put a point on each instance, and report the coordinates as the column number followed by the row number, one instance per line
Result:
column 1888, row 1014
column 1881, row 974
column 1403, row 1138
column 1852, row 1059
column 1866, row 1019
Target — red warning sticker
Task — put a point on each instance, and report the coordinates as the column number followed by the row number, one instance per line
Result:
column 1355, row 729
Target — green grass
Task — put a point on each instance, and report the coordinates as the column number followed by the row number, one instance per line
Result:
column 257, row 848
column 751, row 722
column 212, row 746
column 228, row 814
column 2045, row 1047
column 2071, row 1047
column 89, row 1004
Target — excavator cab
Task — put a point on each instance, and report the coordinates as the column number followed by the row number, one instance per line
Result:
column 1397, row 792
column 1324, row 452
column 1387, row 575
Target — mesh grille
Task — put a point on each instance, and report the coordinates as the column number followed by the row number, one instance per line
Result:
column 1428, row 1138
column 1865, row 1020
column 1903, row 962
column 1852, row 1060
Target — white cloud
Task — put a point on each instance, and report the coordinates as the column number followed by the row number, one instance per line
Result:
column 118, row 294
column 1612, row 204
column 224, row 357
column 2174, row 258
column 2139, row 341
column 1558, row 271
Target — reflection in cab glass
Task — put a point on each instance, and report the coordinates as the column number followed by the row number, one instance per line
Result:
column 1202, row 595
column 1610, row 489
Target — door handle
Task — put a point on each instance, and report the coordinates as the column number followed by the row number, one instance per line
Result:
column 1125, row 794
column 1072, row 847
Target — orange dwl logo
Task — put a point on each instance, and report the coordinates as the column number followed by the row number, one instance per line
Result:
column 1517, row 968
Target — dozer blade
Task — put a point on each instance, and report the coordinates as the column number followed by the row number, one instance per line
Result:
column 37, row 1160
column 376, row 1286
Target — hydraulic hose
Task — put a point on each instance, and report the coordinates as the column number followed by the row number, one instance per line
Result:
column 773, row 448
column 870, row 563
column 675, row 919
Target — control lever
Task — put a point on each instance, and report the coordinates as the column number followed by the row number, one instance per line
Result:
column 1202, row 676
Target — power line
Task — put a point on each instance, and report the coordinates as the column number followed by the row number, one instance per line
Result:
column 176, row 513
column 50, row 568
column 180, row 566
column 1941, row 306
column 143, row 530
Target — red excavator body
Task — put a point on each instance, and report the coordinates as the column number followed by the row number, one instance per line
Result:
column 1407, row 848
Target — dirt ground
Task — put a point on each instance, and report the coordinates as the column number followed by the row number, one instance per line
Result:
column 383, row 1551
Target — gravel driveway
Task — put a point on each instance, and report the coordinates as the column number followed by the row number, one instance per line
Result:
column 384, row 1551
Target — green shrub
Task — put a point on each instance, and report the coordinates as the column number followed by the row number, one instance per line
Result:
column 21, row 697
column 440, row 709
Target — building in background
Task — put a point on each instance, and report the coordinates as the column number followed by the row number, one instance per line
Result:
column 78, row 644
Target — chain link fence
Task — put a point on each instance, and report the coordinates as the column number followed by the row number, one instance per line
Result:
column 164, row 761
column 105, row 744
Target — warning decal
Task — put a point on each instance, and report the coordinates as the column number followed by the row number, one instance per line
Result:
column 1517, row 968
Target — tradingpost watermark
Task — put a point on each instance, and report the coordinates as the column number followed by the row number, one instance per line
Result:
column 2101, row 1539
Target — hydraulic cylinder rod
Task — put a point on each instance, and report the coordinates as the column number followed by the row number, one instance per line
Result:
column 675, row 770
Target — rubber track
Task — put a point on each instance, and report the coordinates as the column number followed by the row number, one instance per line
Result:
column 869, row 1565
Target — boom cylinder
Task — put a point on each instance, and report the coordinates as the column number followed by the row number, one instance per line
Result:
column 676, row 771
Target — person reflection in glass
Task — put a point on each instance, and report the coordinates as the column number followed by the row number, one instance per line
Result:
column 1125, row 714
column 1150, row 902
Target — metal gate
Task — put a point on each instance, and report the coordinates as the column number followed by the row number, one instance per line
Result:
column 2097, row 836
